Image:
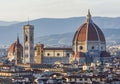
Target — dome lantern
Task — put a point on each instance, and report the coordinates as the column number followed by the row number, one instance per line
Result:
column 88, row 17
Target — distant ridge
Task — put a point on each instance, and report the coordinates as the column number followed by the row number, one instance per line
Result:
column 65, row 39
column 7, row 23
column 49, row 26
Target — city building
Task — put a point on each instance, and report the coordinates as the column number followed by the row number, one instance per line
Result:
column 51, row 55
column 89, row 46
column 3, row 52
column 87, row 62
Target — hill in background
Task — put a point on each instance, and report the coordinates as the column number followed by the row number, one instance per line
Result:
column 59, row 31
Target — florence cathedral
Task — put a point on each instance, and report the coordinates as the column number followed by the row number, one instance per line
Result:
column 88, row 46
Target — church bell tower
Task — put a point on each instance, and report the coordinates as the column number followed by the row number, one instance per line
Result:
column 28, row 54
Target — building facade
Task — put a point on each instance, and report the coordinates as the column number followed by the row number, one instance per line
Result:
column 57, row 55
column 51, row 55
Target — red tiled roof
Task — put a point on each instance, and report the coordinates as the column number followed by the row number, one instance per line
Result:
column 12, row 48
column 14, row 45
column 92, row 33
column 102, row 38
column 89, row 31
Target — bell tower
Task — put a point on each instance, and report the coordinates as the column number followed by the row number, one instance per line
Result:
column 28, row 50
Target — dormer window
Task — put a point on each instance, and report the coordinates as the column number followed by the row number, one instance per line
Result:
column 26, row 38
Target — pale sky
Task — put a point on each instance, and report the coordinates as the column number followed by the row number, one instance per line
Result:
column 20, row 10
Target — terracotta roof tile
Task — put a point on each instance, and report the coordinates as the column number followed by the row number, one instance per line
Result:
column 89, row 31
column 13, row 46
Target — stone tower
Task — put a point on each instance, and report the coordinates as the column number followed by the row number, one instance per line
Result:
column 28, row 44
column 38, row 53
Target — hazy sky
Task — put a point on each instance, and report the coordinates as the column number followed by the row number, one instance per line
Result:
column 20, row 10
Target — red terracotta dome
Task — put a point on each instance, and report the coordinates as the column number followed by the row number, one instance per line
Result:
column 14, row 45
column 12, row 48
column 89, row 31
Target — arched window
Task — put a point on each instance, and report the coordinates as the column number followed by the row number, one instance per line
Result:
column 81, row 47
column 26, row 38
column 93, row 47
column 48, row 54
column 31, row 38
column 68, row 54
column 58, row 54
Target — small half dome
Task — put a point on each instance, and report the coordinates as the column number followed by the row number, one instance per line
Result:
column 14, row 46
